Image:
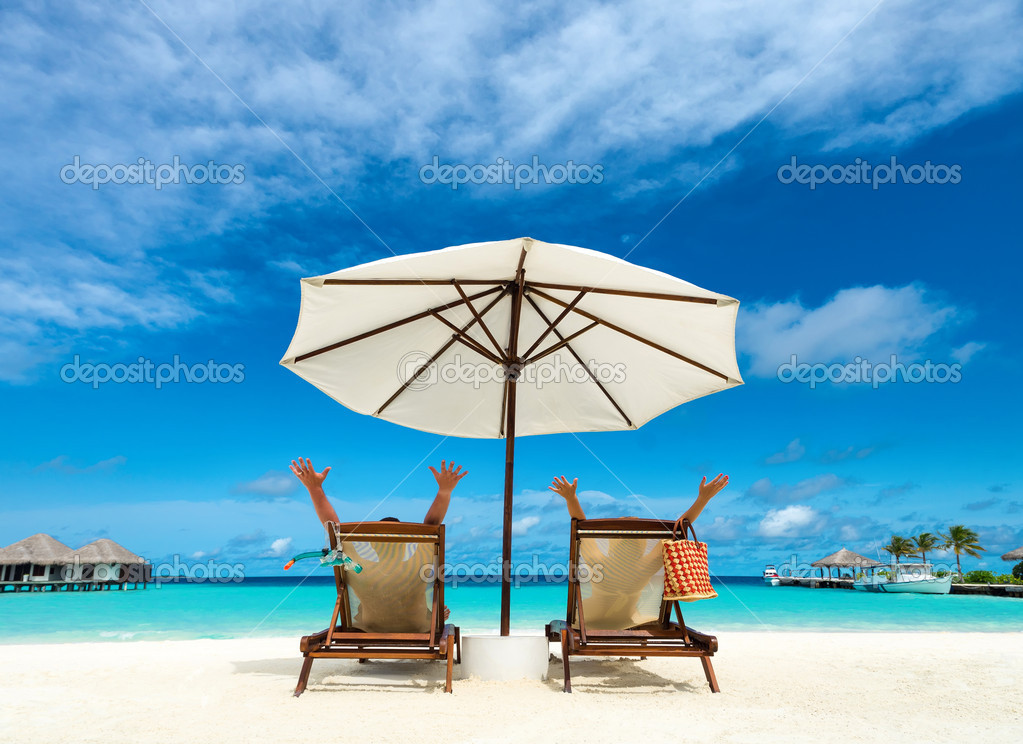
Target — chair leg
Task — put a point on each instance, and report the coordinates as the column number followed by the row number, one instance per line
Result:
column 564, row 660
column 303, row 676
column 458, row 646
column 451, row 661
column 708, row 669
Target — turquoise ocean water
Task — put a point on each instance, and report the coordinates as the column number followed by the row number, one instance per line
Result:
column 283, row 607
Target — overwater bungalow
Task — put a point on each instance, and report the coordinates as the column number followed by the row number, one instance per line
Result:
column 40, row 562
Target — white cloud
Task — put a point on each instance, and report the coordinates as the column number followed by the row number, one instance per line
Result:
column 60, row 464
column 765, row 490
column 271, row 483
column 792, row 452
column 849, row 533
column 521, row 527
column 722, row 528
column 792, row 521
column 869, row 322
column 965, row 352
column 279, row 548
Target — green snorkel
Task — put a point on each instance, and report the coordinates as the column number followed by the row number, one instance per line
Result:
column 327, row 558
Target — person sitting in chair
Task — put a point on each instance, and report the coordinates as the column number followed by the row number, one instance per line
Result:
column 383, row 586
column 616, row 596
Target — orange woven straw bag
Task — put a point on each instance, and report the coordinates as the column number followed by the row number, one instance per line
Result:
column 686, row 575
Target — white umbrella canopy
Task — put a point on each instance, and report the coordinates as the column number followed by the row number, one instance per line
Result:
column 512, row 338
column 364, row 374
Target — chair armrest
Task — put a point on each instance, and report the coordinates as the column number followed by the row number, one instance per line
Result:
column 554, row 628
column 448, row 632
column 708, row 642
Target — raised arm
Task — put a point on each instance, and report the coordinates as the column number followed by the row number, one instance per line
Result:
column 566, row 490
column 447, row 479
column 313, row 482
column 704, row 495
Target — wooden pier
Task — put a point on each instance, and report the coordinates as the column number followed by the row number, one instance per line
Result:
column 69, row 586
column 816, row 582
column 991, row 590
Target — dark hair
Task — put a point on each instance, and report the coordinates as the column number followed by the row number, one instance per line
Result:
column 390, row 519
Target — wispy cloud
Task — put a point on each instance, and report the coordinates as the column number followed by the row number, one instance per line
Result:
column 62, row 465
column 793, row 451
column 765, row 490
column 850, row 452
column 965, row 353
column 270, row 484
column 888, row 493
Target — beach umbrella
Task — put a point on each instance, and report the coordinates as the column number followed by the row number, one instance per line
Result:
column 512, row 338
column 1014, row 555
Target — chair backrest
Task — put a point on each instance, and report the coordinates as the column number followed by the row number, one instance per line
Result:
column 400, row 588
column 617, row 573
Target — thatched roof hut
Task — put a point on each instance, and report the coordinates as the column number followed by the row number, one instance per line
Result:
column 846, row 559
column 40, row 549
column 1014, row 555
column 106, row 551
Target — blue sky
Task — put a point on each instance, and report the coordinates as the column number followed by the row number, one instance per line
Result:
column 333, row 110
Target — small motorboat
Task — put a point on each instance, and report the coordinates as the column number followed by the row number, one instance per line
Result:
column 771, row 577
column 906, row 577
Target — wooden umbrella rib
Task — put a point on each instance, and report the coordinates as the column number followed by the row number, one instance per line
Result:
column 445, row 347
column 472, row 309
column 628, row 293
column 415, row 376
column 469, row 340
column 562, row 343
column 473, row 346
column 550, row 325
column 395, row 324
column 630, row 334
column 406, row 282
column 504, row 408
column 580, row 361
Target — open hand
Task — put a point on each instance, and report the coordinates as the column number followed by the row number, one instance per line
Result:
column 712, row 489
column 448, row 476
column 305, row 472
column 563, row 488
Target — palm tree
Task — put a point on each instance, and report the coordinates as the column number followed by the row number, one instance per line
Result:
column 900, row 547
column 925, row 541
column 962, row 540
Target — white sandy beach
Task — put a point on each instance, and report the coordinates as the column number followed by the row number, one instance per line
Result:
column 776, row 687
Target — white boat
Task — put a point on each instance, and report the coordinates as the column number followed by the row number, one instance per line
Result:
column 771, row 577
column 906, row 577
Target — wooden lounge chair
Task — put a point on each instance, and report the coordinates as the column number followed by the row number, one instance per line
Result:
column 615, row 605
column 394, row 607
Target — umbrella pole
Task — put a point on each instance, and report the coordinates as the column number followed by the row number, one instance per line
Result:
column 512, row 369
column 506, row 544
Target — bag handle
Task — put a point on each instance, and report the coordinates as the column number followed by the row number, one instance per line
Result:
column 686, row 525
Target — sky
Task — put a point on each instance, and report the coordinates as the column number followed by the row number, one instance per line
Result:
column 323, row 117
